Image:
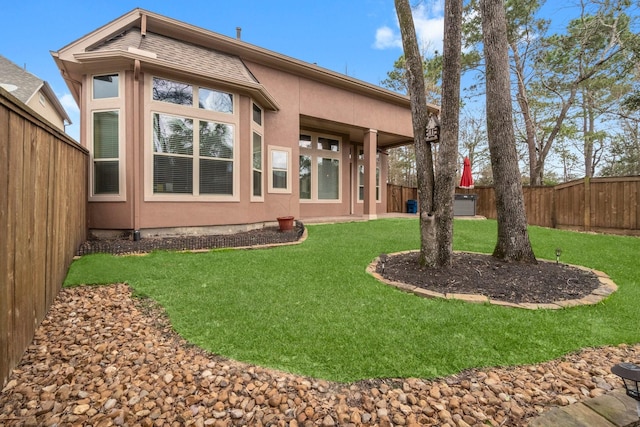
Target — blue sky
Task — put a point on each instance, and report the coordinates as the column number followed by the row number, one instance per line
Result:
column 356, row 37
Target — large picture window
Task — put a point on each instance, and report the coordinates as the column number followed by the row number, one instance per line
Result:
column 320, row 171
column 193, row 142
column 180, row 168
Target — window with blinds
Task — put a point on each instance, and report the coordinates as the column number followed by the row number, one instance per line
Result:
column 193, row 143
column 185, row 162
column 106, row 152
column 105, row 140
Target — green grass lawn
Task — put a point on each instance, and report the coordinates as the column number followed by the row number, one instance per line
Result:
column 311, row 309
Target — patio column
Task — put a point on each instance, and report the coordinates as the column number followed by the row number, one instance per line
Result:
column 370, row 149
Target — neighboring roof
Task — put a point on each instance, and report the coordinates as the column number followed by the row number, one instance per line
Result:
column 24, row 85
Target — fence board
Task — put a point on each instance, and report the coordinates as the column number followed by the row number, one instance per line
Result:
column 43, row 196
column 397, row 197
column 6, row 248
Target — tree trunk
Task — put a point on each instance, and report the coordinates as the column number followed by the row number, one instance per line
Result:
column 588, row 132
column 513, row 239
column 450, row 123
column 525, row 110
column 423, row 151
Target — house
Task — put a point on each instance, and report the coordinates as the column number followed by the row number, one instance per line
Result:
column 191, row 130
column 33, row 92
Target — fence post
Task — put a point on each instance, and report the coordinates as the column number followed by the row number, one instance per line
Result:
column 587, row 203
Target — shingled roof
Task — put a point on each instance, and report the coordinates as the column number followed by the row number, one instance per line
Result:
column 12, row 75
column 24, row 85
column 217, row 64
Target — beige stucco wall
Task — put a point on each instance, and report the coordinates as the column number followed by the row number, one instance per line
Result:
column 338, row 112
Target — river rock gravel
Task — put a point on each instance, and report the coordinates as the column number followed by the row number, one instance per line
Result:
column 101, row 358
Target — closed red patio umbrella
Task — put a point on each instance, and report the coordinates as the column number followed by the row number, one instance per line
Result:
column 467, row 180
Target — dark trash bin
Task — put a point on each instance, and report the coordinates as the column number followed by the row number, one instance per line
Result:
column 464, row 205
column 412, row 206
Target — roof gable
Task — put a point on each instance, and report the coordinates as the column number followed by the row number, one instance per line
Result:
column 217, row 64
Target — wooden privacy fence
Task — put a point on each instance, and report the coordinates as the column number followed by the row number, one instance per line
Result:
column 43, row 198
column 608, row 205
column 397, row 197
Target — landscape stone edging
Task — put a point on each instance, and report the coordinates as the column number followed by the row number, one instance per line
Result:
column 606, row 288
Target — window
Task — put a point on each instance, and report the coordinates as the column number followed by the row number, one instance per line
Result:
column 257, row 165
column 305, row 141
column 106, row 86
column 216, row 158
column 192, row 148
column 173, row 154
column 361, row 176
column 328, row 144
column 105, row 138
column 106, row 153
column 320, row 172
column 361, row 183
column 172, row 92
column 257, row 115
column 280, row 175
column 305, row 177
column 178, row 168
column 328, row 179
column 214, row 100
column 257, row 160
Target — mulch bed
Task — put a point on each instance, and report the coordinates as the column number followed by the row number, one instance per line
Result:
column 470, row 273
column 258, row 237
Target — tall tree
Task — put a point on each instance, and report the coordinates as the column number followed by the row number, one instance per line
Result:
column 423, row 150
column 624, row 158
column 513, row 238
column 450, row 124
column 549, row 72
column 583, row 69
column 432, row 69
column 435, row 195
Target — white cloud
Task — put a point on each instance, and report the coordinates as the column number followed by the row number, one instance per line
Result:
column 429, row 22
column 386, row 38
column 69, row 104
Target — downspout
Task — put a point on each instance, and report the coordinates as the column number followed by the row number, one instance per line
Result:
column 136, row 149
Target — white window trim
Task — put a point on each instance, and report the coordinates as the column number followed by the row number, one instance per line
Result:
column 100, row 105
column 287, row 190
column 315, row 154
column 190, row 112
